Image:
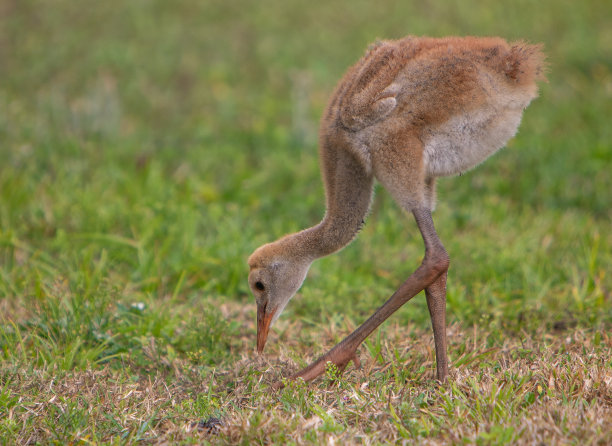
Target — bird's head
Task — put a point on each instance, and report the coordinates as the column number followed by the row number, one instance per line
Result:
column 274, row 278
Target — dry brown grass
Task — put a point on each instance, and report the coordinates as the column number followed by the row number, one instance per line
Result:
column 545, row 389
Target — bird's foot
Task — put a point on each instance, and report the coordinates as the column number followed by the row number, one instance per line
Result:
column 339, row 357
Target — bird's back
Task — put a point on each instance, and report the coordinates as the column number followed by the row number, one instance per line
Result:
column 462, row 97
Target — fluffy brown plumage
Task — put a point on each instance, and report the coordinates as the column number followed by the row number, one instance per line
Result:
column 409, row 111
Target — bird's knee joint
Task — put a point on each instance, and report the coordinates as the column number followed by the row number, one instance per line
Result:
column 438, row 261
column 443, row 261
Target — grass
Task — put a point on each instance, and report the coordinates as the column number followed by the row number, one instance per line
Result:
column 146, row 148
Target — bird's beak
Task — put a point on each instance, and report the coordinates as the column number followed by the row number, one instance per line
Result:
column 263, row 325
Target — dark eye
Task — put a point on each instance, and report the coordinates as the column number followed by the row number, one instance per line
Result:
column 260, row 286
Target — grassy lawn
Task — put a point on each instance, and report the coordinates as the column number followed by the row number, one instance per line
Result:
column 147, row 147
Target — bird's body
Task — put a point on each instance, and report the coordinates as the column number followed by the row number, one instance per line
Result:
column 409, row 111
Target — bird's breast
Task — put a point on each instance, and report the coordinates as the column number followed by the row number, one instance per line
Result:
column 465, row 140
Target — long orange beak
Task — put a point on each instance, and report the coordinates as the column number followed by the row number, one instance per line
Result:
column 263, row 326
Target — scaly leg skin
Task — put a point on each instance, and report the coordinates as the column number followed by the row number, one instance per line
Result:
column 431, row 276
column 436, row 302
column 340, row 355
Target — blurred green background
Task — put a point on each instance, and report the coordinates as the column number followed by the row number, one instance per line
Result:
column 147, row 147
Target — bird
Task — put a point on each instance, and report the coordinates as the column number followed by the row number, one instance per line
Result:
column 409, row 111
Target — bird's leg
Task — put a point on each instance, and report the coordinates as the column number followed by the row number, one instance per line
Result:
column 436, row 302
column 431, row 275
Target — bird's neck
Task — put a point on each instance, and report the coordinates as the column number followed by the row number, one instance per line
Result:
column 348, row 190
column 337, row 229
column 318, row 241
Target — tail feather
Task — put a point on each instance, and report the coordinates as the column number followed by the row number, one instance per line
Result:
column 524, row 63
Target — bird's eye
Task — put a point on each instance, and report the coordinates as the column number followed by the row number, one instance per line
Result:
column 260, row 286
